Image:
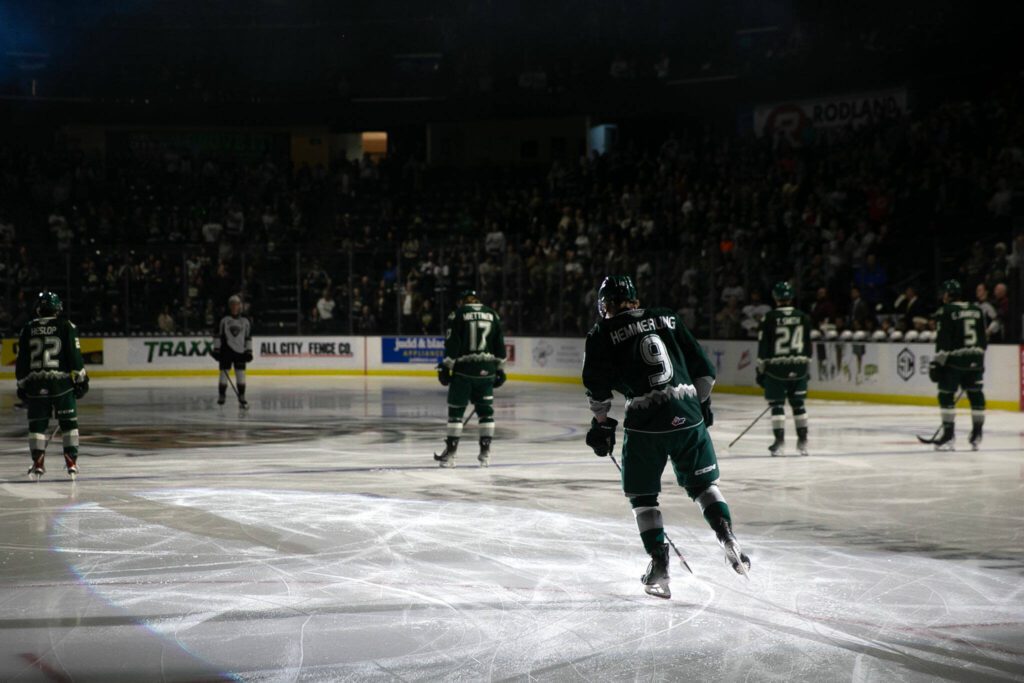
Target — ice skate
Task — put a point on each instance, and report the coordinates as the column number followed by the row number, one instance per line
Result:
column 975, row 438
column 485, row 451
column 72, row 465
column 656, row 577
column 447, row 456
column 221, row 399
column 947, row 441
column 801, row 442
column 778, row 447
column 734, row 556
column 36, row 472
column 242, row 404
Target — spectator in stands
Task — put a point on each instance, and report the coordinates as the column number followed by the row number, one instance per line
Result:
column 325, row 312
column 753, row 313
column 733, row 290
column 989, row 312
column 910, row 309
column 823, row 312
column 728, row 320
column 861, row 317
column 871, row 279
column 165, row 321
column 1002, row 306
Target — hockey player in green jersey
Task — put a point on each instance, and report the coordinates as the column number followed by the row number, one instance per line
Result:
column 783, row 359
column 959, row 361
column 650, row 357
column 472, row 368
column 51, row 377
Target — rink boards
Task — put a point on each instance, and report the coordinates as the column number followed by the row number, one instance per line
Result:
column 867, row 371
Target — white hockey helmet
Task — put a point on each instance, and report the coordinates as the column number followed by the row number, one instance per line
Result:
column 878, row 335
column 860, row 335
column 846, row 335
column 911, row 336
column 895, row 336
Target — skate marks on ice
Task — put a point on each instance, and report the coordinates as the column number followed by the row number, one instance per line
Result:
column 309, row 586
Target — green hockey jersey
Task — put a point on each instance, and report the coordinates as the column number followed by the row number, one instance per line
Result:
column 648, row 356
column 960, row 339
column 784, row 343
column 49, row 357
column 474, row 343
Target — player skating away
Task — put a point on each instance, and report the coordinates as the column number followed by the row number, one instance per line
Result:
column 232, row 346
column 783, row 361
column 959, row 361
column 650, row 357
column 51, row 377
column 474, row 355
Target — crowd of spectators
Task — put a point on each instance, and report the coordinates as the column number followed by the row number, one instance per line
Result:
column 864, row 222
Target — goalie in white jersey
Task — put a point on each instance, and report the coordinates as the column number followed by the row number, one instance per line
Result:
column 232, row 346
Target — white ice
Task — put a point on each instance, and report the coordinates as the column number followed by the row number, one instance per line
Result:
column 313, row 539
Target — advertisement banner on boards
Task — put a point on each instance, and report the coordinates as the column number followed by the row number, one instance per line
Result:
column 411, row 349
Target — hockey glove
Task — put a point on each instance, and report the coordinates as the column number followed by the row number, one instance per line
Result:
column 215, row 354
column 601, row 436
column 759, row 378
column 934, row 371
column 444, row 375
column 499, row 378
column 22, row 395
column 705, row 410
column 82, row 388
column 247, row 357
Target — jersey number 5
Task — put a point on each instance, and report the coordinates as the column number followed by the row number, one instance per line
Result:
column 478, row 332
column 45, row 352
column 655, row 353
column 970, row 332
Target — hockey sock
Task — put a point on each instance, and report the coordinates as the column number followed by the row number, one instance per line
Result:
column 977, row 399
column 455, row 420
column 649, row 521
column 712, row 504
column 485, row 411
column 71, row 442
column 240, row 381
column 947, row 408
column 222, row 384
column 778, row 417
column 37, row 441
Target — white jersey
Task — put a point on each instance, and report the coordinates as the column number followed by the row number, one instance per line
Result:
column 235, row 334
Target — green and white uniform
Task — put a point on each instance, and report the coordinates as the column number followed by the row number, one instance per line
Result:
column 960, row 344
column 49, row 364
column 649, row 356
column 783, row 359
column 474, row 351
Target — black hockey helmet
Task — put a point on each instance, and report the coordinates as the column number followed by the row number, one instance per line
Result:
column 48, row 305
column 951, row 287
column 467, row 294
column 782, row 291
column 615, row 289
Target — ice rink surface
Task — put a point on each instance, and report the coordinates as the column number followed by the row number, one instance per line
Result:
column 313, row 539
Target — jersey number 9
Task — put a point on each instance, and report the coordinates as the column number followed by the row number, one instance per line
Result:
column 655, row 353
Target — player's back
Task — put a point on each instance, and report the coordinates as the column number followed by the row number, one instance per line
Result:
column 47, row 354
column 648, row 356
column 960, row 335
column 474, row 340
column 784, row 342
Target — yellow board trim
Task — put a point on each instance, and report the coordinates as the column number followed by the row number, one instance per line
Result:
column 873, row 398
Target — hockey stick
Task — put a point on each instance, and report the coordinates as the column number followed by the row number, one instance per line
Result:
column 681, row 558
column 241, row 401
column 935, row 436
column 469, row 417
column 750, row 426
